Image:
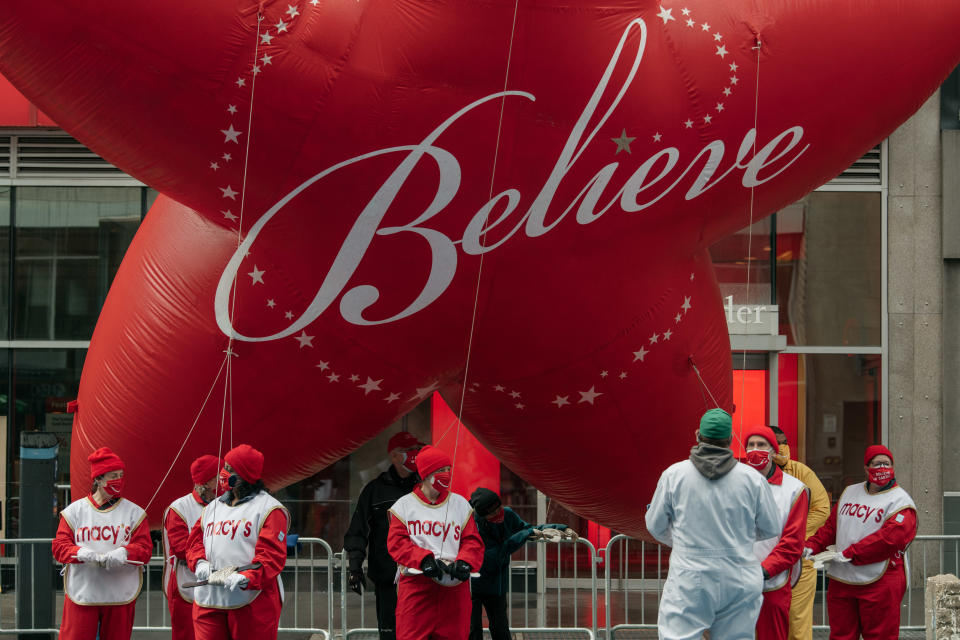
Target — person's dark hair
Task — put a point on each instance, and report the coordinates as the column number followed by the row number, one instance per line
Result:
column 93, row 489
column 715, row 441
column 781, row 436
column 243, row 488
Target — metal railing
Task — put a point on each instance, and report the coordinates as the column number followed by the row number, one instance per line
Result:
column 307, row 578
column 545, row 596
column 622, row 584
column 28, row 554
column 553, row 590
column 558, row 586
column 631, row 601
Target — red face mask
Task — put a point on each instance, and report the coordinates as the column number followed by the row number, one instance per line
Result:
column 441, row 481
column 114, row 488
column 223, row 481
column 410, row 461
column 880, row 476
column 758, row 458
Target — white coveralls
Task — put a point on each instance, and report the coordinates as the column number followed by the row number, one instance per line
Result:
column 715, row 581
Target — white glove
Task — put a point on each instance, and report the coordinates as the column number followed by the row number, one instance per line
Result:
column 235, row 581
column 807, row 553
column 219, row 577
column 550, row 534
column 570, row 533
column 89, row 556
column 840, row 558
column 820, row 560
column 115, row 558
column 202, row 571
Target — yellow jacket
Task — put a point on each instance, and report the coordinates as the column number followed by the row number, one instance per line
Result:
column 819, row 500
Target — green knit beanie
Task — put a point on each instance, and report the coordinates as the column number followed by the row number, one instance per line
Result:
column 716, row 424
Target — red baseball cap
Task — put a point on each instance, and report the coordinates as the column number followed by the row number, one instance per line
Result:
column 402, row 440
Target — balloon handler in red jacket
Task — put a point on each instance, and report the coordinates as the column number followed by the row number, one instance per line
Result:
column 104, row 540
column 434, row 540
column 871, row 526
column 239, row 547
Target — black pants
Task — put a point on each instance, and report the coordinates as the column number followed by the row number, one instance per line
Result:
column 386, row 593
column 496, row 607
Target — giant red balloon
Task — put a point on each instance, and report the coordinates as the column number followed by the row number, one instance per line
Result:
column 392, row 165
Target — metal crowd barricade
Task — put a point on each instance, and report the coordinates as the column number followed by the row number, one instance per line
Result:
column 553, row 590
column 638, row 597
column 311, row 577
column 558, row 591
column 10, row 565
column 632, row 601
column 308, row 606
column 308, row 584
column 552, row 598
column 362, row 631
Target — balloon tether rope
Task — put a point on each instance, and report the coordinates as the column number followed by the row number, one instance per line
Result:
column 228, row 379
column 229, row 354
column 189, row 433
column 228, row 387
column 756, row 111
column 476, row 292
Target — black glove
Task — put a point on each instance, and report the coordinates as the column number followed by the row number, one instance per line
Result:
column 431, row 568
column 459, row 570
column 355, row 581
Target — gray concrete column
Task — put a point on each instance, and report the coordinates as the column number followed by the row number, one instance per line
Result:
column 915, row 307
column 951, row 315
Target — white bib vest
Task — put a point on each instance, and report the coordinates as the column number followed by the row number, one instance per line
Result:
column 435, row 527
column 188, row 510
column 785, row 495
column 230, row 540
column 102, row 531
column 860, row 514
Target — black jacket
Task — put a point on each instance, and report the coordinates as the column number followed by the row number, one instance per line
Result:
column 370, row 523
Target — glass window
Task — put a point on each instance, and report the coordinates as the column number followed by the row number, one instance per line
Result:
column 832, row 403
column 69, row 244
column 8, row 490
column 826, row 252
column 44, row 380
column 743, row 265
column 828, row 249
column 5, row 194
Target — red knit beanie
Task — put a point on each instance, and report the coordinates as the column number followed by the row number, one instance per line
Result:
column 764, row 432
column 429, row 459
column 102, row 461
column 875, row 450
column 246, row 461
column 204, row 468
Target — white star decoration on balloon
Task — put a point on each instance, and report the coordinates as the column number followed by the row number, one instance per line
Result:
column 688, row 22
column 581, row 395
